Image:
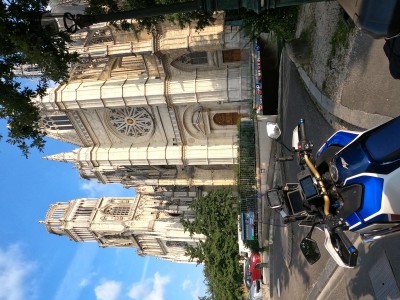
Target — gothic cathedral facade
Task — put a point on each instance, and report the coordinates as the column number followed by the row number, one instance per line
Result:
column 154, row 111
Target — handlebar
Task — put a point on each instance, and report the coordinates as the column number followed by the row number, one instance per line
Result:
column 305, row 148
column 292, row 218
column 349, row 253
column 304, row 143
column 302, row 131
column 285, row 158
column 335, row 225
column 345, row 240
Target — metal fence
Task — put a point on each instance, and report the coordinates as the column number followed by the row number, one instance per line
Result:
column 247, row 169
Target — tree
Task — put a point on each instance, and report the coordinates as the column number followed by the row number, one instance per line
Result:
column 24, row 41
column 216, row 217
column 281, row 21
column 201, row 18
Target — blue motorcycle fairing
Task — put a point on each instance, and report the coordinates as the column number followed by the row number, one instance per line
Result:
column 372, row 198
column 375, row 151
column 339, row 138
column 350, row 162
column 354, row 221
column 371, row 159
column 377, row 219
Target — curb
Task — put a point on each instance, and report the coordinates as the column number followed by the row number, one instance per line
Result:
column 277, row 168
column 335, row 111
column 323, row 279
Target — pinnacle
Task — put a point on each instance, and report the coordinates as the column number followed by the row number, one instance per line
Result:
column 63, row 156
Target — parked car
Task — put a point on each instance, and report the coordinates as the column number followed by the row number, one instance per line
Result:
column 252, row 269
column 255, row 292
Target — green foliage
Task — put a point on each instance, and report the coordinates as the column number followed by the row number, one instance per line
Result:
column 216, row 218
column 306, row 36
column 254, row 246
column 24, row 41
column 202, row 19
column 340, row 37
column 281, row 21
column 205, row 298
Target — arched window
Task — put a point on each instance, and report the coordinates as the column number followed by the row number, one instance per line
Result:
column 194, row 58
column 116, row 237
column 117, row 211
column 128, row 66
column 100, row 36
column 190, row 61
column 231, row 55
column 57, row 123
column 174, row 214
column 84, row 211
column 88, row 68
column 226, row 118
column 178, row 244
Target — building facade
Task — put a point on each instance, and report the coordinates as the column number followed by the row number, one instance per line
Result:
column 155, row 111
column 149, row 224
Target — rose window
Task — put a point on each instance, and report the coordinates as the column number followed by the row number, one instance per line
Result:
column 132, row 121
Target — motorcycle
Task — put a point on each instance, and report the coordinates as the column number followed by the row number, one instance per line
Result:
column 352, row 184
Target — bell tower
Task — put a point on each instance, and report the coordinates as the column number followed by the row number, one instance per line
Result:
column 71, row 219
column 148, row 223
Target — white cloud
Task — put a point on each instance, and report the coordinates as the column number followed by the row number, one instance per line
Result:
column 145, row 268
column 14, row 274
column 186, row 284
column 86, row 280
column 108, row 290
column 150, row 289
column 80, row 265
column 196, row 289
column 197, row 292
column 95, row 189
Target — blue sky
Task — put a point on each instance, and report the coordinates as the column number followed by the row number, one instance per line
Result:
column 37, row 265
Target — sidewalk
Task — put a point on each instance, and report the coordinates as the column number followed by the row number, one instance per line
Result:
column 353, row 89
column 336, row 112
column 267, row 181
column 366, row 95
column 361, row 94
column 352, row 85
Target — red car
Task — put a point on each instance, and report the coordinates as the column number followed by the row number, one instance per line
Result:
column 252, row 269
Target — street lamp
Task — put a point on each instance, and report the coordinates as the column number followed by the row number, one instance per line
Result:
column 72, row 22
column 376, row 17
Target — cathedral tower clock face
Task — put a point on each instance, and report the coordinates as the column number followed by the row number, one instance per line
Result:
column 134, row 122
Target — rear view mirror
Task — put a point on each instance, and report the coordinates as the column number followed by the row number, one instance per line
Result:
column 273, row 130
column 310, row 250
column 275, row 198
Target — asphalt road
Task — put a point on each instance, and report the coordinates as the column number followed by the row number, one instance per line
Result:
column 377, row 275
column 292, row 276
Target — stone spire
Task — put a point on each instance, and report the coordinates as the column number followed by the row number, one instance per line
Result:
column 64, row 156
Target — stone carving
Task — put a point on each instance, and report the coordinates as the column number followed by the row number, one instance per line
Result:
column 132, row 121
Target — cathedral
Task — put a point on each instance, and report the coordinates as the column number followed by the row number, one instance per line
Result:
column 154, row 111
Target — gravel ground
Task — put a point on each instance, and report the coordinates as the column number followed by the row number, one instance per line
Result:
column 318, row 23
